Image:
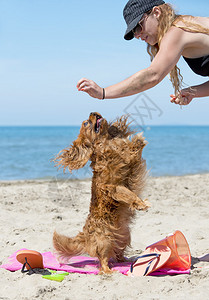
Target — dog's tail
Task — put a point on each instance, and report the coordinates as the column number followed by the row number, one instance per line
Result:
column 68, row 247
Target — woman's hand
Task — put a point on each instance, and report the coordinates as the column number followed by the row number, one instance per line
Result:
column 90, row 87
column 184, row 97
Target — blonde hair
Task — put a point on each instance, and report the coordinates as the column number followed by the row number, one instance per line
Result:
column 167, row 19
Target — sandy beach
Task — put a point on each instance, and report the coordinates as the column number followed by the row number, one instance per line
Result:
column 32, row 210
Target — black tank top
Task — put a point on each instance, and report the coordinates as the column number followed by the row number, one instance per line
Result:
column 199, row 65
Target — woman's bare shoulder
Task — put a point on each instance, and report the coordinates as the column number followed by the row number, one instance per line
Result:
column 191, row 34
column 174, row 35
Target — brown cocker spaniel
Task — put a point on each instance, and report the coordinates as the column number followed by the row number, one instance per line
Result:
column 119, row 174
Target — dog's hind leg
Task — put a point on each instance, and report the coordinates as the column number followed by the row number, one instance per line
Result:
column 104, row 266
column 104, row 252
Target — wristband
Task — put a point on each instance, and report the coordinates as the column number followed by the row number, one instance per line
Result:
column 103, row 96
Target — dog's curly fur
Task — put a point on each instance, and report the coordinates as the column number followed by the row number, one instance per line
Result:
column 119, row 174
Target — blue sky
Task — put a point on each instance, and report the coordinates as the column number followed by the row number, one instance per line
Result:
column 46, row 46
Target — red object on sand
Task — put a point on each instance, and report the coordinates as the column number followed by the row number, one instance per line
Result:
column 30, row 258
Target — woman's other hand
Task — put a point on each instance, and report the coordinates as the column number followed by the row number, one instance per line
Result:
column 184, row 97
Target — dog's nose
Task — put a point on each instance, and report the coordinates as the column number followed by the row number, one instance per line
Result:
column 95, row 114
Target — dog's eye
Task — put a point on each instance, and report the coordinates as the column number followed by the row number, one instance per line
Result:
column 86, row 123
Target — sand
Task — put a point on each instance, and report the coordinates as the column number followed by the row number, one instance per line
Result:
column 31, row 210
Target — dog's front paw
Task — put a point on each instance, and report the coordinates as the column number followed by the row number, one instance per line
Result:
column 147, row 203
column 140, row 204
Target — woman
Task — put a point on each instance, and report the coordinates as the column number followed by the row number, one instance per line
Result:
column 168, row 37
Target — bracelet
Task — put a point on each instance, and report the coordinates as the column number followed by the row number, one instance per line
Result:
column 103, row 96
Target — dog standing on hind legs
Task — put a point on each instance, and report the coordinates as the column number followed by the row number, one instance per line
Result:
column 119, row 175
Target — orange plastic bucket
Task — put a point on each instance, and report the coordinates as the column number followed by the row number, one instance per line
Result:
column 180, row 258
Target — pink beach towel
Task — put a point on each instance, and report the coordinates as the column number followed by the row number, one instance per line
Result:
column 81, row 264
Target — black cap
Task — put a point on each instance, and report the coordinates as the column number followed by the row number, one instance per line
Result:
column 134, row 11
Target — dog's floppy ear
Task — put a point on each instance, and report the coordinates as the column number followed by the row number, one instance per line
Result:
column 74, row 157
column 114, row 131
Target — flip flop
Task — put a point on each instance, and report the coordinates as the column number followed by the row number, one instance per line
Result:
column 152, row 259
column 30, row 259
column 56, row 275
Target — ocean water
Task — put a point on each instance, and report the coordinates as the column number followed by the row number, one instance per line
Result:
column 26, row 152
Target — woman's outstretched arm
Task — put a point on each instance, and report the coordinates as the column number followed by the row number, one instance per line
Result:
column 170, row 51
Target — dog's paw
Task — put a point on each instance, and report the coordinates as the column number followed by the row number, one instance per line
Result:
column 147, row 203
column 140, row 204
column 106, row 271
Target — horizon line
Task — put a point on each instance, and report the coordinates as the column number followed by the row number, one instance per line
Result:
column 78, row 125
